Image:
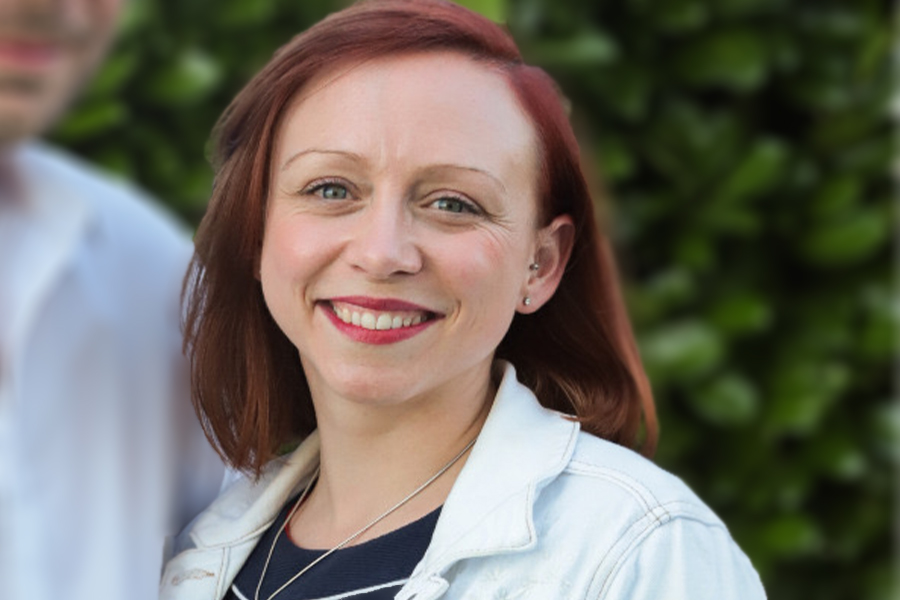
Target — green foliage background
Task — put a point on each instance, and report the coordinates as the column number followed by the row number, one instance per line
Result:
column 747, row 147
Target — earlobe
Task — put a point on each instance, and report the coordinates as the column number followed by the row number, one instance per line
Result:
column 552, row 252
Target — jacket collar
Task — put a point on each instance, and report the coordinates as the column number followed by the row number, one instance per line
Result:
column 63, row 215
column 520, row 449
column 247, row 508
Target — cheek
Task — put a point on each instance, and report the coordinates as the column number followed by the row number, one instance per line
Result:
column 291, row 252
column 483, row 269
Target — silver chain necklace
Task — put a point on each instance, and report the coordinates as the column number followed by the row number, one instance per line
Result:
column 369, row 526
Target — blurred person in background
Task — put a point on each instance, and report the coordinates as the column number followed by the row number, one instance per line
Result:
column 95, row 427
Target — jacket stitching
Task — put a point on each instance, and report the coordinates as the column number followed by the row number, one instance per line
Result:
column 651, row 525
column 641, row 493
column 450, row 557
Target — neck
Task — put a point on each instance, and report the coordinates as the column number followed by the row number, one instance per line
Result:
column 373, row 457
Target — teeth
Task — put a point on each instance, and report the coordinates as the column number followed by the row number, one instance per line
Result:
column 367, row 321
column 384, row 322
column 377, row 321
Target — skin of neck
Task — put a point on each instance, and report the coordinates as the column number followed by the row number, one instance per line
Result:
column 374, row 456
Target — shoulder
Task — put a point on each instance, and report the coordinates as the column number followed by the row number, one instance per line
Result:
column 636, row 483
column 634, row 518
column 615, row 497
column 128, row 217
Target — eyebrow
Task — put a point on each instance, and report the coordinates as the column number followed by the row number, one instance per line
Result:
column 452, row 166
column 296, row 155
column 429, row 169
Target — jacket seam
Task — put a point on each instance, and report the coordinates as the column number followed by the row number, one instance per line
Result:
column 653, row 525
column 639, row 491
column 254, row 534
column 221, row 585
column 646, row 524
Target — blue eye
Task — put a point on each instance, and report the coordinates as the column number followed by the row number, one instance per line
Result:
column 454, row 205
column 331, row 191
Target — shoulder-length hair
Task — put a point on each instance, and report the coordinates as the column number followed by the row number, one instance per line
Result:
column 577, row 353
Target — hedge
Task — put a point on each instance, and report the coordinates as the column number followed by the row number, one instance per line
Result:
column 746, row 149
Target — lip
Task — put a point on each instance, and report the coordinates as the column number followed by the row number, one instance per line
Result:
column 378, row 337
column 382, row 304
column 29, row 55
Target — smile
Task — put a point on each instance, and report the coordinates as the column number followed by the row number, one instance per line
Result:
column 378, row 321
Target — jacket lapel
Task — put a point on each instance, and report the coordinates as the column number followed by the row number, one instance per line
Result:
column 249, row 507
column 522, row 447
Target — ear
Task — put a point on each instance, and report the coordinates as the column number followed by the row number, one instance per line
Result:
column 551, row 255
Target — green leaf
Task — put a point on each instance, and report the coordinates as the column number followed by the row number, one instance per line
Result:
column 91, row 120
column 189, row 79
column 585, row 49
column 626, row 88
column 884, row 430
column 135, row 18
column 734, row 9
column 680, row 16
column 842, row 459
column 696, row 251
column 881, row 318
column 742, row 313
column 837, row 196
column 792, row 536
column 495, row 10
column 682, row 351
column 116, row 72
column 848, row 241
column 616, row 160
column 729, row 400
column 757, row 173
column 803, row 393
column 736, row 60
column 243, row 12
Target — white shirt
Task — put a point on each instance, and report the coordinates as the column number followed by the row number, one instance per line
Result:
column 540, row 511
column 99, row 451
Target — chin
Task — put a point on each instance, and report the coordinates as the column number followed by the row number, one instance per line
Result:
column 375, row 386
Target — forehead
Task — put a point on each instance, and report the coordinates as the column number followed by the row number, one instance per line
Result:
column 439, row 107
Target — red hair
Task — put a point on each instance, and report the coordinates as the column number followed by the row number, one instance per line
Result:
column 577, row 353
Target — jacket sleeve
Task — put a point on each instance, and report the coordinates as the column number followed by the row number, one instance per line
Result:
column 684, row 559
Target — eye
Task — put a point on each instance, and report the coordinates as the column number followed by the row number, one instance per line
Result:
column 328, row 190
column 455, row 205
column 332, row 191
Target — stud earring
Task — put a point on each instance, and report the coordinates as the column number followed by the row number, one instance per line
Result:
column 526, row 301
column 534, row 266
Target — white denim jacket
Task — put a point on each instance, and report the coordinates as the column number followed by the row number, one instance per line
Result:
column 540, row 510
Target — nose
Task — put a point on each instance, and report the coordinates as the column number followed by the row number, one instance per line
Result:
column 382, row 243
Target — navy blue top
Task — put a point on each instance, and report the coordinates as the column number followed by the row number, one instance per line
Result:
column 383, row 564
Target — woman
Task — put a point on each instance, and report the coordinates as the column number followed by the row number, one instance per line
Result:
column 400, row 270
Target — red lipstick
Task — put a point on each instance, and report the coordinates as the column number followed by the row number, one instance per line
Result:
column 381, row 304
column 377, row 321
column 28, row 55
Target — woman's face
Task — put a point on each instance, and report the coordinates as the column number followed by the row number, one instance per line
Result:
column 401, row 226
